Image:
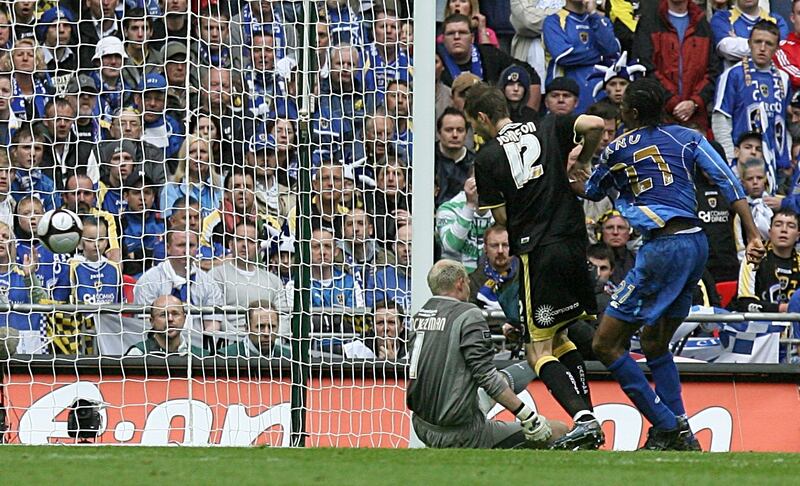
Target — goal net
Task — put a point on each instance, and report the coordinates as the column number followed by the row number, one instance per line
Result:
column 241, row 171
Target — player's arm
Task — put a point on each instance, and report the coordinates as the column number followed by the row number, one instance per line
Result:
column 478, row 351
column 710, row 161
column 489, row 195
column 588, row 133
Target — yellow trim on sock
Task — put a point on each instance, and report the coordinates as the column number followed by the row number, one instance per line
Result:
column 564, row 349
column 543, row 361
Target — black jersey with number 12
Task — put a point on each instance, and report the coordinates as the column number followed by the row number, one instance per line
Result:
column 524, row 168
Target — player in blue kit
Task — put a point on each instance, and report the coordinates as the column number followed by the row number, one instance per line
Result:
column 653, row 167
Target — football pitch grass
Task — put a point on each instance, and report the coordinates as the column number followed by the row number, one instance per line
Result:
column 88, row 465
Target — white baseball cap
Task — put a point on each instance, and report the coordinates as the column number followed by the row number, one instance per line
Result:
column 109, row 45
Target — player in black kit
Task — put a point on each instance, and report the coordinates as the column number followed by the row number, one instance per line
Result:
column 522, row 177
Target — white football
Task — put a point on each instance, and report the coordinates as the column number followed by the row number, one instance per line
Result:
column 60, row 230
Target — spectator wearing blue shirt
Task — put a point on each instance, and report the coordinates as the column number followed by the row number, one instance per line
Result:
column 30, row 83
column 55, row 32
column 332, row 285
column 27, row 151
column 731, row 29
column 109, row 56
column 577, row 39
column 142, row 229
column 8, row 119
column 393, row 282
column 160, row 129
column 384, row 59
column 341, row 104
column 398, row 106
column 117, row 163
column 196, row 177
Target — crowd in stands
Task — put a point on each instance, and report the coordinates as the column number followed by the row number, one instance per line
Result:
column 171, row 128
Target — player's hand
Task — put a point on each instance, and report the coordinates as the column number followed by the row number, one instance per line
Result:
column 755, row 251
column 684, row 110
column 534, row 426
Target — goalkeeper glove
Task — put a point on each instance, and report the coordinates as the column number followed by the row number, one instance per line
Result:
column 534, row 426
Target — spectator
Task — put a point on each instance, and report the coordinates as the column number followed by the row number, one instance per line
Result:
column 287, row 157
column 769, row 287
column 471, row 10
column 9, row 123
column 494, row 284
column 527, row 19
column 327, row 205
column 615, row 232
column 271, row 182
column 332, row 284
column 185, row 216
column 176, row 70
column 26, row 221
column 788, row 56
column 360, row 251
column 6, row 31
column 165, row 337
column 262, row 15
column 82, row 92
column 243, row 280
column 753, row 96
column 459, row 54
column 141, row 226
column 262, row 82
column 393, row 282
column 213, row 46
column 754, row 181
column 625, row 16
column 453, row 159
column 92, row 278
column 142, row 54
column 562, row 97
column 390, row 201
column 7, row 203
column 614, row 79
column 30, row 86
column 732, row 29
column 118, row 164
column 341, row 22
column 713, row 210
column 577, row 38
column 341, row 104
column 384, row 59
column 748, row 146
column 460, row 225
column 109, row 57
column 609, row 112
column 602, row 259
column 443, row 93
column 218, row 101
column 24, row 19
column 66, row 154
column 516, row 86
column 126, row 124
column 98, row 21
column 176, row 21
column 673, row 42
column 197, row 178
column 22, row 286
column 387, row 341
column 379, row 133
column 80, row 197
column 398, row 107
column 27, row 150
column 263, row 337
column 55, row 32
column 176, row 276
column 160, row 128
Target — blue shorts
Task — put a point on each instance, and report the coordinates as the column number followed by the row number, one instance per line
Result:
column 662, row 281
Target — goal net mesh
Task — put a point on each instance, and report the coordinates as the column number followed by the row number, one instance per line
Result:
column 242, row 174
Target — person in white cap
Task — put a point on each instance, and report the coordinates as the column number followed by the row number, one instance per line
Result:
column 109, row 56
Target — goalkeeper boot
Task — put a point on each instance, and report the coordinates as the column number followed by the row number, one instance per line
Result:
column 690, row 442
column 586, row 435
column 663, row 440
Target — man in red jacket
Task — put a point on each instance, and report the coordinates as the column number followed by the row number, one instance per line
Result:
column 788, row 56
column 673, row 41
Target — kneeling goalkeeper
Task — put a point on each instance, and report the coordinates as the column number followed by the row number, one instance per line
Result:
column 451, row 358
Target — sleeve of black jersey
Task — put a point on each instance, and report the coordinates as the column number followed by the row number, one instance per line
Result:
column 490, row 195
column 565, row 132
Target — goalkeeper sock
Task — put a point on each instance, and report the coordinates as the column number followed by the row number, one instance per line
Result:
column 574, row 362
column 561, row 384
column 635, row 385
column 668, row 383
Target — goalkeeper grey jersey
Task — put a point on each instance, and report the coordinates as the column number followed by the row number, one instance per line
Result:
column 451, row 356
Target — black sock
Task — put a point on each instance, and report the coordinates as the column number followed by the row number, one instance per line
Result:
column 574, row 363
column 562, row 385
